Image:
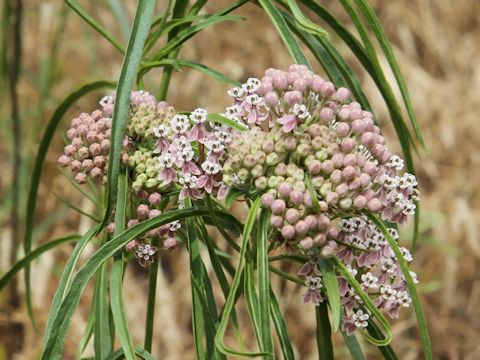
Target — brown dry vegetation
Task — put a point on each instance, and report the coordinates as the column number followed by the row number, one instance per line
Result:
column 437, row 46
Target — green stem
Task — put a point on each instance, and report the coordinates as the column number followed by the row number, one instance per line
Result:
column 152, row 292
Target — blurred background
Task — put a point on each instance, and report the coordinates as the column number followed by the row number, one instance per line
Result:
column 437, row 45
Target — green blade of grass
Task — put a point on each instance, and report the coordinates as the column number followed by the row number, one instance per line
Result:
column 382, row 38
column 230, row 303
column 95, row 25
column 353, row 346
column 286, row 35
column 87, row 332
column 38, row 168
column 101, row 329
column 329, row 278
column 281, row 328
column 22, row 263
column 116, row 280
column 251, row 298
column 264, row 282
column 131, row 62
column 421, row 319
column 61, row 315
column 323, row 333
column 368, row 304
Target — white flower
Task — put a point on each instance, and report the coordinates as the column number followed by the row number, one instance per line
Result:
column 314, row 282
column 236, row 92
column 360, row 319
column 180, row 124
column 300, row 110
column 211, row 168
column 198, row 116
column 174, row 225
column 166, row 160
column 369, row 280
column 187, row 180
column 161, row 131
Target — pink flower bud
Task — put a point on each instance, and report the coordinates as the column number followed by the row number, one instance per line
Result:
column 105, row 145
column 342, row 94
column 290, row 142
column 271, row 99
column 317, row 83
column 293, row 97
column 326, row 114
column 292, row 216
column 288, row 232
column 108, row 109
column 72, row 133
column 342, row 129
column 300, row 85
column 280, row 80
column 332, row 232
column 170, row 243
column 76, row 123
column 82, row 130
column 111, row 228
column 131, row 245
column 369, row 194
column 154, row 199
column 336, row 177
column 142, row 211
column 359, row 202
column 99, row 161
column 63, row 160
column 354, row 184
column 69, row 150
column 375, row 205
column 365, row 179
column 267, row 200
column 77, row 143
column 132, row 222
column 327, row 166
column 323, row 206
column 314, row 167
column 281, row 169
column 301, row 228
column 319, row 239
column 337, row 160
column 154, row 213
column 342, row 189
column 344, row 114
column 95, row 149
column 307, row 201
column 81, row 178
column 315, row 130
column 367, row 139
column 75, row 165
column 370, row 168
column 347, row 145
column 306, row 243
column 358, row 126
column 276, row 221
column 278, row 206
column 327, row 89
column 349, row 172
column 332, row 198
column 96, row 173
column 87, row 165
column 92, row 136
column 311, row 221
column 284, row 189
column 329, row 249
column 296, row 197
column 264, row 88
column 386, row 156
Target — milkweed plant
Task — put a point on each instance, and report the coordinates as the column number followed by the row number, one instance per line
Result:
column 304, row 151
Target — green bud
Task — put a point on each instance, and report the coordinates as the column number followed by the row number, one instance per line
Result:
column 317, row 143
column 142, row 178
column 272, row 159
column 151, row 183
column 299, row 186
column 346, row 203
column 257, row 171
column 261, row 183
column 260, row 157
column 290, row 180
column 325, row 189
column 137, row 186
column 299, row 174
column 279, row 147
column 243, row 174
column 150, row 162
column 303, row 150
column 151, row 172
column 140, row 168
column 273, row 192
column 227, row 169
column 322, row 155
column 273, row 181
column 305, row 138
column 317, row 182
column 249, row 161
column 228, row 180
column 291, row 168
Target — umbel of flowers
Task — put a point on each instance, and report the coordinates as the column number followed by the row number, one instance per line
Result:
column 163, row 151
column 319, row 162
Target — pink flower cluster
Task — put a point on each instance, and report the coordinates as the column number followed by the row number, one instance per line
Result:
column 319, row 161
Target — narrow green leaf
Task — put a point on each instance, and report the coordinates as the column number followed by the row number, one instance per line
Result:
column 119, row 354
column 230, row 303
column 329, row 278
column 217, row 118
column 353, row 346
column 304, row 22
column 284, row 32
column 120, row 14
column 421, row 320
column 382, row 38
column 61, row 315
column 116, row 280
column 95, row 24
column 101, row 330
column 324, row 333
column 66, row 277
column 264, row 282
column 387, row 350
column 131, row 62
column 22, row 263
column 186, row 34
column 87, row 332
column 368, row 303
column 74, row 208
column 281, row 328
column 38, row 168
column 251, row 298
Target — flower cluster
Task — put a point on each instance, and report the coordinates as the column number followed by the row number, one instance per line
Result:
column 319, row 161
column 87, row 153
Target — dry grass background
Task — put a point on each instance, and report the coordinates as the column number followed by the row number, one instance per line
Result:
column 436, row 42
